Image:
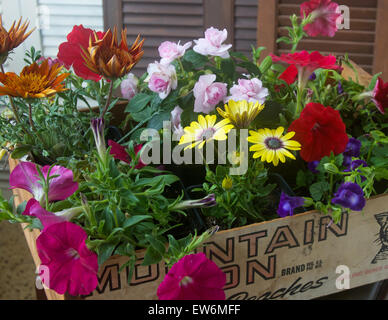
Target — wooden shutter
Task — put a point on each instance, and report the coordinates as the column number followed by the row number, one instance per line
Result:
column 57, row 19
column 361, row 41
column 158, row 21
column 182, row 20
column 245, row 25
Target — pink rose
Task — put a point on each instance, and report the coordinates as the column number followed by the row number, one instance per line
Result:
column 176, row 121
column 251, row 90
column 208, row 93
column 129, row 86
column 161, row 79
column 169, row 51
column 212, row 44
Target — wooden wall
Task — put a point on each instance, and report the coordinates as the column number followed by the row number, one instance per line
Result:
column 248, row 22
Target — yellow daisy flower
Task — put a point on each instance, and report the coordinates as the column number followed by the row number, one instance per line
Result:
column 206, row 129
column 241, row 113
column 272, row 146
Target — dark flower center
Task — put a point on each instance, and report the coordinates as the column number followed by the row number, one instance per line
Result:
column 208, row 133
column 316, row 126
column 273, row 143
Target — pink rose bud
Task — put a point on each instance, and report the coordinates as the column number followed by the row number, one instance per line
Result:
column 161, row 79
column 251, row 90
column 176, row 121
column 208, row 93
column 169, row 51
column 129, row 86
column 212, row 44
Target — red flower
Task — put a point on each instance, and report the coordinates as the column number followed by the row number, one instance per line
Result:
column 326, row 15
column 320, row 130
column 306, row 63
column 70, row 52
column 289, row 75
column 120, row 153
column 380, row 95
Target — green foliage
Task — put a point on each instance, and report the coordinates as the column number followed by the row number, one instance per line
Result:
column 247, row 200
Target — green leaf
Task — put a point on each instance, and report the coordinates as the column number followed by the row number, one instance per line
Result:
column 373, row 81
column 138, row 103
column 167, row 179
column 250, row 67
column 135, row 220
column 300, row 179
column 196, row 59
column 156, row 121
column 105, row 251
column 21, row 151
column 265, row 65
column 239, row 55
column 157, row 244
column 152, row 256
column 228, row 67
column 318, row 189
column 143, row 114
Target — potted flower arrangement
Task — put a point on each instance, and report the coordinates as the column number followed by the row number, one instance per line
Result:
column 282, row 136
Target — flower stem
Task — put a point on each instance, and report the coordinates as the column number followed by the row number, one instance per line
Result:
column 108, row 99
column 298, row 108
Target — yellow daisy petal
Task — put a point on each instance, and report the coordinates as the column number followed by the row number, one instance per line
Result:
column 289, row 135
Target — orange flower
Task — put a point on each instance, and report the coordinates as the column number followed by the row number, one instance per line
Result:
column 110, row 59
column 35, row 81
column 11, row 39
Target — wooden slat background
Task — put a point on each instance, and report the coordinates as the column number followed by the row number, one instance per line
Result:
column 249, row 22
column 359, row 41
column 158, row 21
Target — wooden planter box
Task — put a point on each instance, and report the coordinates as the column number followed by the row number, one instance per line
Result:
column 291, row 258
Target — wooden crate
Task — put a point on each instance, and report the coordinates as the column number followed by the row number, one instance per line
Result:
column 291, row 258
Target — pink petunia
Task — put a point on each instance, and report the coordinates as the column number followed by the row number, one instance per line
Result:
column 33, row 208
column 120, row 153
column 326, row 15
column 71, row 266
column 194, row 277
column 25, row 176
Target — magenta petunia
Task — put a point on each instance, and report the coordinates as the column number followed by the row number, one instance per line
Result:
column 120, row 153
column 33, row 208
column 194, row 277
column 71, row 265
column 25, row 176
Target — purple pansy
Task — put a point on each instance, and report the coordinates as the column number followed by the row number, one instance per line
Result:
column 312, row 166
column 287, row 204
column 356, row 164
column 25, row 176
column 352, row 150
column 351, row 196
